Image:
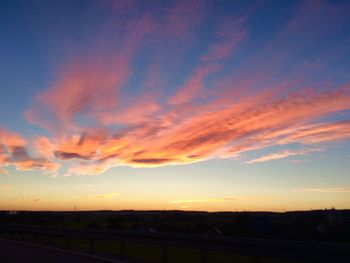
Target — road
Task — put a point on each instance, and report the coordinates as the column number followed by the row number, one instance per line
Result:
column 19, row 252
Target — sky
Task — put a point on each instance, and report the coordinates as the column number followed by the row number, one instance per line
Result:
column 190, row 105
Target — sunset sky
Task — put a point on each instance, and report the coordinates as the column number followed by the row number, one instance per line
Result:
column 191, row 105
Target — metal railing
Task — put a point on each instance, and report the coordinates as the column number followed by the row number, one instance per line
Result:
column 304, row 251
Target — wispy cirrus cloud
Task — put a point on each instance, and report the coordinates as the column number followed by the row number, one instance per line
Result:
column 230, row 33
column 108, row 107
column 282, row 155
column 101, row 196
column 192, row 86
column 204, row 200
column 27, row 199
column 325, row 190
column 224, row 132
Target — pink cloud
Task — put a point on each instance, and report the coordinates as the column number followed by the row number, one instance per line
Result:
column 181, row 18
column 321, row 133
column 230, row 34
column 90, row 85
column 192, row 86
column 247, row 108
column 222, row 132
column 80, row 90
column 44, row 147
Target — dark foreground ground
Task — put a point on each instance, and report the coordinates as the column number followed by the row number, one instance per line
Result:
column 141, row 231
column 318, row 225
column 18, row 252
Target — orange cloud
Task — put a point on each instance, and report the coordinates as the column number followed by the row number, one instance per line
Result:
column 223, row 132
column 11, row 139
column 13, row 152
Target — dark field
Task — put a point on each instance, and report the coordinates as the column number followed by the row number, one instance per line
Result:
column 321, row 226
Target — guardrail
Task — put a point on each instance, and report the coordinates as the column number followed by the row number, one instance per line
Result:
column 305, row 251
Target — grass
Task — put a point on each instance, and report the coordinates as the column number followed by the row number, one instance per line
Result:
column 184, row 255
column 220, row 257
column 80, row 244
column 141, row 251
column 107, row 247
column 59, row 242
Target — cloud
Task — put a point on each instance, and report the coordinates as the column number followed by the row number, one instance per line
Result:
column 325, row 190
column 101, row 196
column 229, row 35
column 205, row 200
column 23, row 161
column 44, row 147
column 90, row 168
column 282, row 155
column 13, row 152
column 11, row 139
column 192, row 86
column 92, row 84
column 320, row 133
column 26, row 199
column 251, row 124
column 110, row 107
